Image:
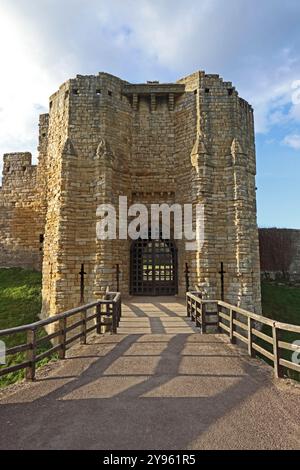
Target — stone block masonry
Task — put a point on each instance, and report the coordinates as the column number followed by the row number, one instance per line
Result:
column 186, row 142
column 280, row 254
column 21, row 218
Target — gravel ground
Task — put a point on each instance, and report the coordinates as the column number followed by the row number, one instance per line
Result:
column 178, row 390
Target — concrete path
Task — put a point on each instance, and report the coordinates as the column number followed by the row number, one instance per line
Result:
column 156, row 385
column 143, row 315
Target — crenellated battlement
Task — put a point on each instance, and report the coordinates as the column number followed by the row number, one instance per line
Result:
column 18, row 171
column 16, row 160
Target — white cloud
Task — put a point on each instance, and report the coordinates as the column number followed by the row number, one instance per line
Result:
column 254, row 44
column 24, row 87
column 292, row 140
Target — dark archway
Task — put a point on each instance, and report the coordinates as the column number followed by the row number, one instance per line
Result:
column 153, row 267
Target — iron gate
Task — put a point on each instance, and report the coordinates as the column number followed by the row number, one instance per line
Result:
column 153, row 267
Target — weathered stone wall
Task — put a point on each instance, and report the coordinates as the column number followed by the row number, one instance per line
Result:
column 154, row 169
column 280, row 254
column 190, row 141
column 88, row 131
column 217, row 148
column 295, row 265
column 21, row 223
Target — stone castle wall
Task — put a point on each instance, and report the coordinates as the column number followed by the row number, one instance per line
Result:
column 21, row 222
column 295, row 265
column 280, row 254
column 190, row 141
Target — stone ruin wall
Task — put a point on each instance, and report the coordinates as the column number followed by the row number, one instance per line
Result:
column 104, row 138
column 295, row 265
column 23, row 205
column 21, row 221
column 280, row 255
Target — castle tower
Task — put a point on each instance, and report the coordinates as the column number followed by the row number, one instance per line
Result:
column 189, row 142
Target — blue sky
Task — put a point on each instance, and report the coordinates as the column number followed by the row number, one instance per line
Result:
column 253, row 43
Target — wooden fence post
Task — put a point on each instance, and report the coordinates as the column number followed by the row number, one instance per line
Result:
column 31, row 353
column 203, row 319
column 98, row 319
column 114, row 317
column 219, row 329
column 192, row 309
column 188, row 312
column 251, row 351
column 119, row 307
column 62, row 338
column 197, row 314
column 278, row 370
column 232, row 326
column 83, row 328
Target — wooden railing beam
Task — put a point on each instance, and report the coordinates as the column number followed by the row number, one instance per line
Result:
column 276, row 352
column 247, row 322
column 112, row 304
column 31, row 353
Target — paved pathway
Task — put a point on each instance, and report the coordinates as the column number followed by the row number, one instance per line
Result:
column 144, row 315
column 155, row 385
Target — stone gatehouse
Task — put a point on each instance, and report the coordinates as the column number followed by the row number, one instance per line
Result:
column 186, row 142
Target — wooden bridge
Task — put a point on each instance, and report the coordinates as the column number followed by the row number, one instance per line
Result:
column 157, row 383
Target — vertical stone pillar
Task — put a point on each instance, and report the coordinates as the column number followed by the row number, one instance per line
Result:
column 202, row 193
column 202, row 184
column 58, row 275
column 135, row 102
column 104, row 272
column 153, row 102
column 171, row 101
column 242, row 225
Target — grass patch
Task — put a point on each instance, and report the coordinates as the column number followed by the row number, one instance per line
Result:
column 282, row 303
column 20, row 304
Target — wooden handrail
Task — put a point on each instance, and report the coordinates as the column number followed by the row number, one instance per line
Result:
column 261, row 318
column 112, row 309
column 230, row 323
column 59, row 316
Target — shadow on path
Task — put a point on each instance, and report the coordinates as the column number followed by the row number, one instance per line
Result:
column 167, row 400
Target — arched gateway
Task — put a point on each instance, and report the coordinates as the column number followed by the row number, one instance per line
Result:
column 153, row 267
